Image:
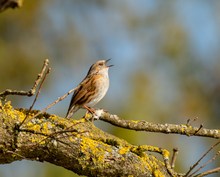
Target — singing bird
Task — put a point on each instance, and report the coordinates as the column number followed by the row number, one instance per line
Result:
column 92, row 88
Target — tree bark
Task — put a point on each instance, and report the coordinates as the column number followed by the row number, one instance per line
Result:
column 76, row 145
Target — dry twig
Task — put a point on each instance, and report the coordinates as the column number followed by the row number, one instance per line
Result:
column 52, row 104
column 215, row 170
column 191, row 168
column 173, row 160
column 38, row 92
column 32, row 91
column 190, row 121
column 208, row 162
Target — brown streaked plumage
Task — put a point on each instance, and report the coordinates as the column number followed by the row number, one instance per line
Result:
column 92, row 89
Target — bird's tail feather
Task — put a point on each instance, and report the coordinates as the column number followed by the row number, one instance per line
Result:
column 71, row 111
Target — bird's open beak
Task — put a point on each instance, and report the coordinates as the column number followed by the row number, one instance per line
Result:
column 106, row 61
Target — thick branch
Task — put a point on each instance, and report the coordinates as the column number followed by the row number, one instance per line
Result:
column 76, row 145
column 141, row 125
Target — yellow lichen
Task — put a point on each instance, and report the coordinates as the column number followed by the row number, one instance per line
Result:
column 151, row 148
column 7, row 108
column 87, row 116
column 151, row 162
column 97, row 151
column 20, row 115
column 94, row 150
column 135, row 121
column 7, row 105
column 158, row 173
column 71, row 139
column 166, row 154
column 12, row 113
column 124, row 150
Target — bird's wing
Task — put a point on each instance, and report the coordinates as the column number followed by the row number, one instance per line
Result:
column 85, row 89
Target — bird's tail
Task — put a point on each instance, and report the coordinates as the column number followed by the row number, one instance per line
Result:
column 69, row 115
column 71, row 111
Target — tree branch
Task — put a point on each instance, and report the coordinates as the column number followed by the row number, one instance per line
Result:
column 76, row 145
column 79, row 146
column 32, row 91
column 141, row 125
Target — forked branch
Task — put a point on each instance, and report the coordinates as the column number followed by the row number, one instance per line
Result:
column 32, row 91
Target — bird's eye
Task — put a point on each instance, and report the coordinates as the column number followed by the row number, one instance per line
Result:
column 100, row 64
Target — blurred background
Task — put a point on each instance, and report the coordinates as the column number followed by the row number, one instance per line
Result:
column 166, row 57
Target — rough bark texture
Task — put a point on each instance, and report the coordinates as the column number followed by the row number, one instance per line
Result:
column 142, row 125
column 76, row 145
column 5, row 4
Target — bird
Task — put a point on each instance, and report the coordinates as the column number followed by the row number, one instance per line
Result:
column 91, row 89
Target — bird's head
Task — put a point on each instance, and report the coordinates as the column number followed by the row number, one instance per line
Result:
column 99, row 66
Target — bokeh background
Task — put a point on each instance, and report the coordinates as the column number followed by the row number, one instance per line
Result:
column 166, row 56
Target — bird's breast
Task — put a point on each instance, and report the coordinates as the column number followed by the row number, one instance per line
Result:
column 101, row 83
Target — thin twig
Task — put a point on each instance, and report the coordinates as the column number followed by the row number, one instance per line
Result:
column 38, row 92
column 32, row 90
column 189, row 121
column 173, row 160
column 201, row 126
column 215, row 170
column 49, row 135
column 208, row 162
column 52, row 135
column 11, row 152
column 46, row 63
column 191, row 168
column 52, row 104
column 44, row 134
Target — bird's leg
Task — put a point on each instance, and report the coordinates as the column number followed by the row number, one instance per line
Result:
column 89, row 109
